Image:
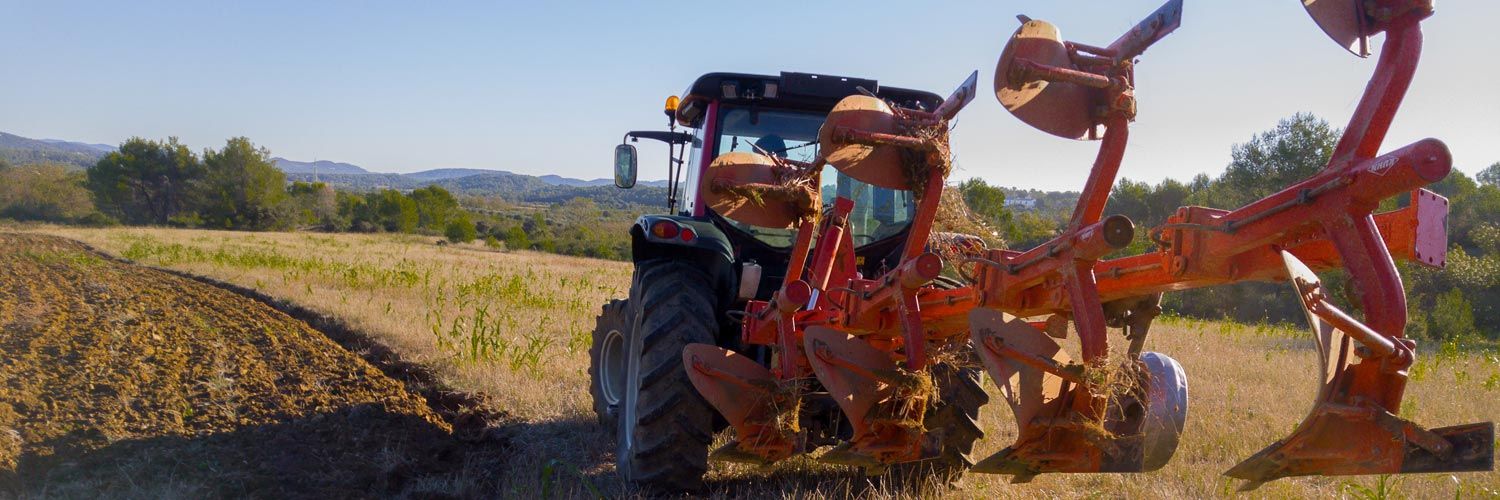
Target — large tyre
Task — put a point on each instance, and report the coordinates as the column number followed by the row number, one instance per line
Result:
column 607, row 367
column 953, row 420
column 665, row 427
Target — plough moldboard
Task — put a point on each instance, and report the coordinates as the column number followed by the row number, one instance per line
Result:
column 873, row 343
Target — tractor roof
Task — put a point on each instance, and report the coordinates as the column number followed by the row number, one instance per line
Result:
column 805, row 91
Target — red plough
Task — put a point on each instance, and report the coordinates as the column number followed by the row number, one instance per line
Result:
column 877, row 345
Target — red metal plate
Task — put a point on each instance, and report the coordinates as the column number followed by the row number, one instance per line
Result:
column 1028, row 390
column 855, row 393
column 727, row 396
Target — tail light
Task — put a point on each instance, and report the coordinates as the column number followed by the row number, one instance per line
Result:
column 665, row 229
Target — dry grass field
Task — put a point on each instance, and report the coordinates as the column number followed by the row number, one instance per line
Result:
column 515, row 326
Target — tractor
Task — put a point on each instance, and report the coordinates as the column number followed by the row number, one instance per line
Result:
column 699, row 264
column 798, row 293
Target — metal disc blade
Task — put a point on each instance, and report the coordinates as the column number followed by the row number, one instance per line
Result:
column 879, row 166
column 741, row 168
column 1344, row 21
column 1061, row 109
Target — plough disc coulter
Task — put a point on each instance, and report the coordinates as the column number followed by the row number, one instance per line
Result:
column 873, row 343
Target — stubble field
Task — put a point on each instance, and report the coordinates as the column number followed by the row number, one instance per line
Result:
column 514, row 327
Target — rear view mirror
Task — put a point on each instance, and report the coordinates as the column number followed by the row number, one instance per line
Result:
column 625, row 166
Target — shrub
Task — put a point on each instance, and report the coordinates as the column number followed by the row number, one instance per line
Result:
column 1452, row 316
column 460, row 230
column 516, row 238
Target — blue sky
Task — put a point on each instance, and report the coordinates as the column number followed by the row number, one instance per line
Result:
column 549, row 87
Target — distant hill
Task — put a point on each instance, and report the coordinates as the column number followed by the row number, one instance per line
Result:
column 102, row 148
column 504, row 185
column 556, row 180
column 511, row 186
column 452, row 173
column 21, row 150
column 566, row 181
column 319, row 167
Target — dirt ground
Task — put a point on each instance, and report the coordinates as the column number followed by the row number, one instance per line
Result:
column 134, row 382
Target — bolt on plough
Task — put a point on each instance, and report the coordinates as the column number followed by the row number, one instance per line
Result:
column 897, row 351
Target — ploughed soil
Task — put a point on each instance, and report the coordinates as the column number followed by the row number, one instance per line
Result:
column 123, row 380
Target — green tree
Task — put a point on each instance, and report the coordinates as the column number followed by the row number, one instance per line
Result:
column 1490, row 175
column 316, row 203
column 1131, row 199
column 145, row 182
column 241, row 187
column 435, row 206
column 1296, row 149
column 986, row 202
column 394, row 212
column 47, row 191
column 357, row 211
column 1452, row 316
column 1455, row 186
column 516, row 238
column 460, row 229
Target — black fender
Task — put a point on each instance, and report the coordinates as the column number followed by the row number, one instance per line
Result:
column 708, row 244
column 709, row 250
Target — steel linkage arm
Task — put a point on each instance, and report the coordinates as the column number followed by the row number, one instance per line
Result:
column 1207, row 247
column 1057, row 276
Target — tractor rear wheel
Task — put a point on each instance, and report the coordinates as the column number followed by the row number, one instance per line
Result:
column 607, row 367
column 665, row 427
column 953, row 420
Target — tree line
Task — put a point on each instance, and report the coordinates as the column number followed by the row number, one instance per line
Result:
column 238, row 187
column 165, row 183
column 1460, row 301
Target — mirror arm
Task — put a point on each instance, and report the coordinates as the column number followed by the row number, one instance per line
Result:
column 672, row 137
column 672, row 171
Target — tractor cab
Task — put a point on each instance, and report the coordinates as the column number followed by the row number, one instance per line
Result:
column 776, row 116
